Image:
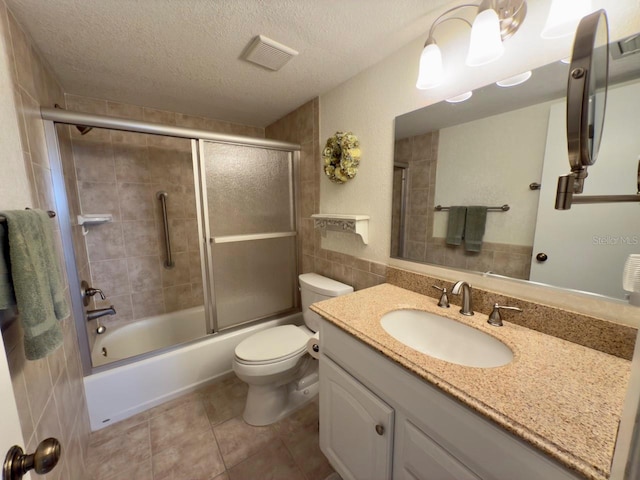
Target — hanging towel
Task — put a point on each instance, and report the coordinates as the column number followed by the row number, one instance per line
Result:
column 7, row 297
column 474, row 228
column 37, row 282
column 455, row 225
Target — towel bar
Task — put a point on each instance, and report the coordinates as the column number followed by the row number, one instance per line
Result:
column 503, row 208
column 51, row 214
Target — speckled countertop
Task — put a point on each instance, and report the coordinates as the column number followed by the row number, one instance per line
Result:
column 561, row 397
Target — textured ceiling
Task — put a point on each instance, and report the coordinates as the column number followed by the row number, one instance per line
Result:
column 183, row 55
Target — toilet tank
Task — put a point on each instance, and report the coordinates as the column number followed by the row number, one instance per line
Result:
column 315, row 288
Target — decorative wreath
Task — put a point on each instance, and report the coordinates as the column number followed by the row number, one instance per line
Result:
column 341, row 157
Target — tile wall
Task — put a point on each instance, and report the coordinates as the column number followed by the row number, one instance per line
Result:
column 421, row 154
column 302, row 126
column 120, row 173
column 49, row 392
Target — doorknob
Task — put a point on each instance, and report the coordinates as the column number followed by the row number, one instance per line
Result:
column 541, row 257
column 43, row 460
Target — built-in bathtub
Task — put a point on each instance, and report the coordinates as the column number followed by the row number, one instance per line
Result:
column 122, row 391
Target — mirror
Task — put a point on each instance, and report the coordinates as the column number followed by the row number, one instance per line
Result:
column 507, row 146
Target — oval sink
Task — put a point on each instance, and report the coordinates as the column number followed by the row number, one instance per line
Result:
column 446, row 339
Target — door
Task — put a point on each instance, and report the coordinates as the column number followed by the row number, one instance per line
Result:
column 249, row 219
column 11, row 434
column 356, row 427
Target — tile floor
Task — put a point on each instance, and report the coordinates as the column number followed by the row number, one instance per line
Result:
column 201, row 436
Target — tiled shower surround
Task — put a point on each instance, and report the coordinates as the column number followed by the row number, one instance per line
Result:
column 421, row 154
column 120, row 173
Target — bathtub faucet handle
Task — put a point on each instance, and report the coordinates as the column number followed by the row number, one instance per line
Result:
column 90, row 292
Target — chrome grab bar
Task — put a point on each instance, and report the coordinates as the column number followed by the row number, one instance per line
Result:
column 162, row 196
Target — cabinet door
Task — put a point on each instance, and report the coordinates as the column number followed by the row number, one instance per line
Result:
column 356, row 427
column 418, row 457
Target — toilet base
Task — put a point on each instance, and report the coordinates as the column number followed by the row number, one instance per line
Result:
column 266, row 404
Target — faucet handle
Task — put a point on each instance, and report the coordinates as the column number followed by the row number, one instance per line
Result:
column 444, row 298
column 90, row 292
column 495, row 318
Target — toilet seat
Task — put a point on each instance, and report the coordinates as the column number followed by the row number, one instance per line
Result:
column 273, row 345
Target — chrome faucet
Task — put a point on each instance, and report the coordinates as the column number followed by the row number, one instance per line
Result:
column 467, row 303
column 100, row 312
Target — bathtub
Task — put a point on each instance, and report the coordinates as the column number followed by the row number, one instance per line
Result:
column 121, row 392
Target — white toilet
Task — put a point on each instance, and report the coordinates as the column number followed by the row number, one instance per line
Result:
column 274, row 362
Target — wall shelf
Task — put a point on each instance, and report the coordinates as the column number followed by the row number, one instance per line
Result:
column 356, row 224
column 93, row 219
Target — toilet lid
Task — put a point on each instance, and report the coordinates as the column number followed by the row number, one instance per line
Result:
column 272, row 344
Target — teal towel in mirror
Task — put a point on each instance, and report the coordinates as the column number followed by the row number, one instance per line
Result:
column 455, row 225
column 37, row 282
column 474, row 228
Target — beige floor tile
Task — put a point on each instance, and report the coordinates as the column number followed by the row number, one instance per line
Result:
column 139, row 471
column 171, row 404
column 197, row 458
column 223, row 476
column 273, row 463
column 304, row 446
column 238, row 441
column 224, row 400
column 114, row 456
column 174, row 425
column 113, row 431
column 298, row 420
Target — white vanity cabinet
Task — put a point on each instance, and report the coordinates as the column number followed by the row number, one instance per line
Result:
column 357, row 428
column 427, row 434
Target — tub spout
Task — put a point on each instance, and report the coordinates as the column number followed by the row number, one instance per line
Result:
column 100, row 312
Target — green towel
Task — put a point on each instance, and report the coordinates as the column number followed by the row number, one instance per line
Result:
column 37, row 282
column 455, row 225
column 474, row 228
column 7, row 297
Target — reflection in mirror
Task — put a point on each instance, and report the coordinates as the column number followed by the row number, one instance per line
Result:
column 488, row 150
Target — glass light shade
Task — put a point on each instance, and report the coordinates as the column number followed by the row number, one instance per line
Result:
column 485, row 45
column 564, row 16
column 515, row 80
column 460, row 98
column 430, row 72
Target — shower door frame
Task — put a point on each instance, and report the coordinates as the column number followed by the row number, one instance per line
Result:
column 51, row 117
column 208, row 240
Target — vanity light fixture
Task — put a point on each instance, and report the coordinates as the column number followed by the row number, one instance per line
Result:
column 564, row 16
column 460, row 98
column 515, row 80
column 495, row 21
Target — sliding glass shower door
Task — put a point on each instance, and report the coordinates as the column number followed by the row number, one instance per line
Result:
column 248, row 223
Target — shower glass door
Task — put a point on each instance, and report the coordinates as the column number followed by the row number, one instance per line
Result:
column 249, row 221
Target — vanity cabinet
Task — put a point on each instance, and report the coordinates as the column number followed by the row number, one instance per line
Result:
column 428, row 435
column 357, row 431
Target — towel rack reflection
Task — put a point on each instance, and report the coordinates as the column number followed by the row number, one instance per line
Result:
column 51, row 214
column 503, row 208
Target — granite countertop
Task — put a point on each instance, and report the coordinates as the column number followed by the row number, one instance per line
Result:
column 561, row 397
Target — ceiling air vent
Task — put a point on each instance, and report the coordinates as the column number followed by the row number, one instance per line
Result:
column 268, row 53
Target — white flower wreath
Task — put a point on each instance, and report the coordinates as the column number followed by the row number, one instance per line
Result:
column 341, row 157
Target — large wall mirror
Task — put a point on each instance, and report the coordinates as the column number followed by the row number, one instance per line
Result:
column 507, row 146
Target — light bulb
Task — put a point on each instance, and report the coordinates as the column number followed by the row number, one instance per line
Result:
column 485, row 44
column 430, row 72
column 564, row 16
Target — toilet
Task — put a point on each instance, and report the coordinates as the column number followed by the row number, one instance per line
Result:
column 281, row 374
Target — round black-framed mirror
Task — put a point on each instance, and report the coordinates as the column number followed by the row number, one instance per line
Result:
column 587, row 91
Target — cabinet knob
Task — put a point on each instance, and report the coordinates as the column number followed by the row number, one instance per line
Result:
column 379, row 429
column 542, row 257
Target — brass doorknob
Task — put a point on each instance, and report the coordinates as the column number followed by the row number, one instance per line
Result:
column 43, row 460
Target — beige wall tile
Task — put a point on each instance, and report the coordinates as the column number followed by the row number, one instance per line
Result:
column 136, row 201
column 22, row 56
column 99, row 198
column 111, row 276
column 105, row 242
column 131, row 163
column 94, row 161
column 144, row 273
column 140, row 238
column 148, row 304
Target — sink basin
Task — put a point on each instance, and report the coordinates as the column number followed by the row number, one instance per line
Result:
column 446, row 339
